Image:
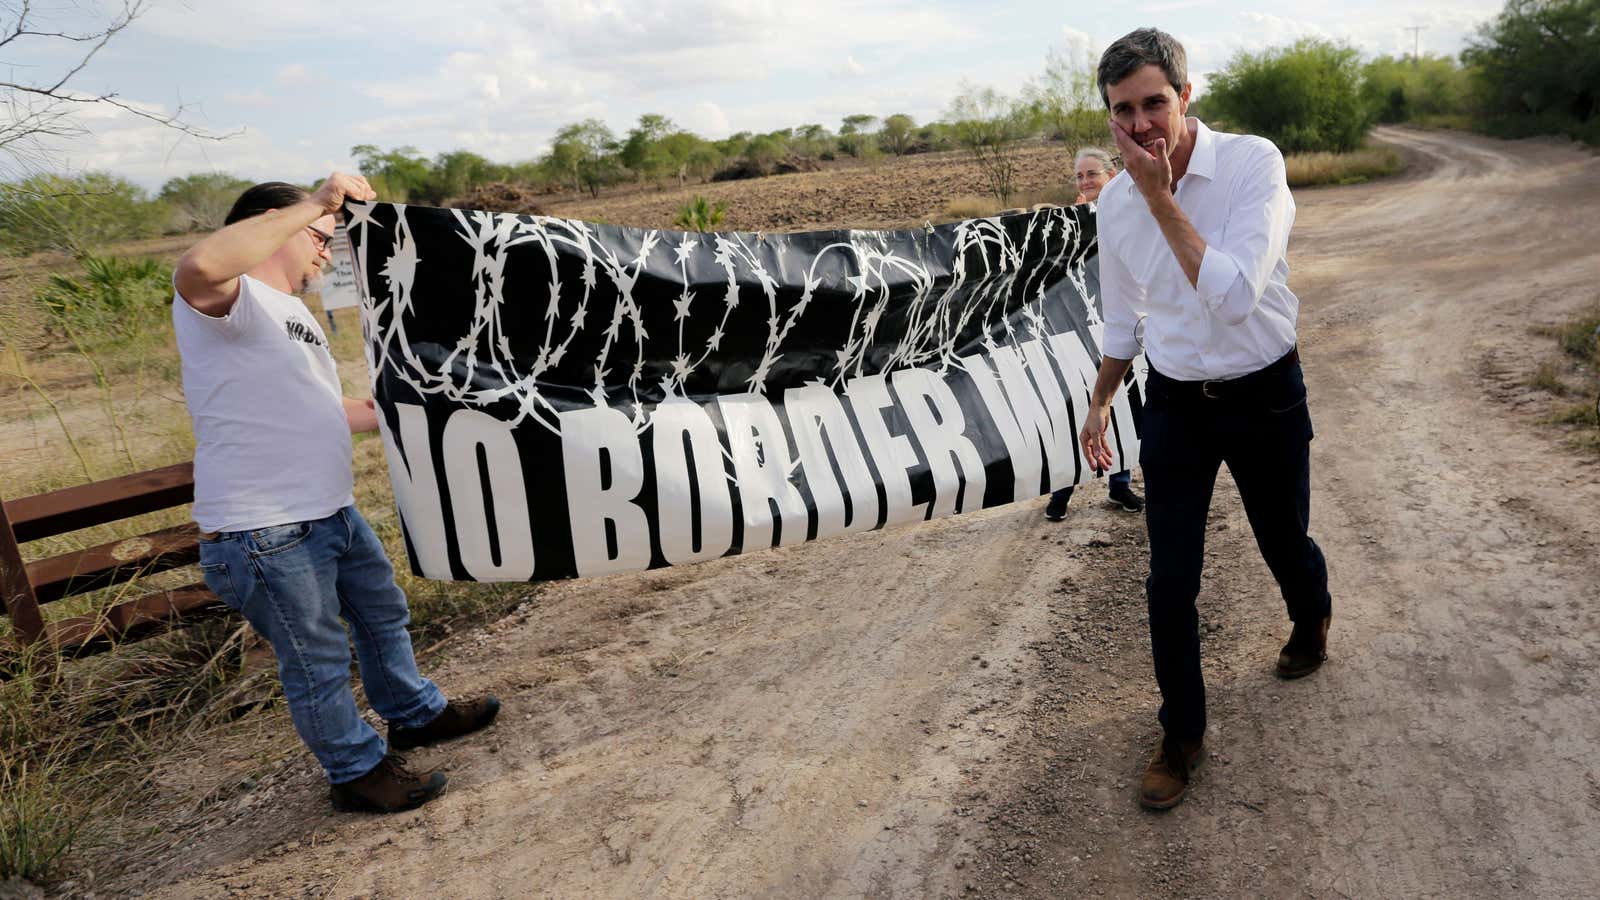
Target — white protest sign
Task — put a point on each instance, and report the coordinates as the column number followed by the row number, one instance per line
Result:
column 339, row 283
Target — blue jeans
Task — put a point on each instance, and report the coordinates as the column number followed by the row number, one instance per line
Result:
column 298, row 585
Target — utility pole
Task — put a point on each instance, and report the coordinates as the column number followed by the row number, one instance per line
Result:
column 1416, row 40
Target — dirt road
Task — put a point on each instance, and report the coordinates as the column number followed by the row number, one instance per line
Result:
column 962, row 708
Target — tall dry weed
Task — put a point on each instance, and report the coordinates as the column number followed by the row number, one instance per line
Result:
column 1314, row 169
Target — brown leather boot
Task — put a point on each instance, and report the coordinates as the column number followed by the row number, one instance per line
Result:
column 1307, row 648
column 1166, row 779
column 389, row 787
column 459, row 717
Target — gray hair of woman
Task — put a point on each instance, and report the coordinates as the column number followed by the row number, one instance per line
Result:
column 1098, row 155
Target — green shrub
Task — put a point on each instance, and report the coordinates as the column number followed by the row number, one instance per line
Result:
column 1305, row 98
column 77, row 214
column 200, row 202
column 936, row 136
column 1538, row 64
column 37, row 824
column 40, row 815
column 1532, row 125
column 1580, row 337
column 764, row 151
column 113, row 300
column 989, row 124
column 812, row 140
column 898, row 134
column 700, row 214
column 858, row 135
column 1065, row 100
column 1407, row 90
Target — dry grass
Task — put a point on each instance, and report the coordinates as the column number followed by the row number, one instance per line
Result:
column 1577, row 373
column 1580, row 414
column 970, row 206
column 973, row 206
column 78, row 735
column 1313, row 169
column 1455, row 121
column 1579, row 337
column 1547, row 377
column 893, row 192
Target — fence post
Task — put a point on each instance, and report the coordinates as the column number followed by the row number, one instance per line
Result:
column 21, row 605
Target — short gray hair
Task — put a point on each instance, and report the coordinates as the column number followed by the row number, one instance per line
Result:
column 1137, row 49
column 1096, row 154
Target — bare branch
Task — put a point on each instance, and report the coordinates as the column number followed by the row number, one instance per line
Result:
column 21, row 30
column 44, row 108
column 129, row 11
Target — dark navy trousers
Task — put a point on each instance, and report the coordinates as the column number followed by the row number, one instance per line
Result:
column 1260, row 427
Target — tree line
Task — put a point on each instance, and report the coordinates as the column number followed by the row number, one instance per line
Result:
column 1534, row 68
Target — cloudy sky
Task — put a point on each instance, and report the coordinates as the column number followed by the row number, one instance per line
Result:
column 304, row 80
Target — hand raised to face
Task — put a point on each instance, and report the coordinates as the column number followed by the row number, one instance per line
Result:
column 1150, row 168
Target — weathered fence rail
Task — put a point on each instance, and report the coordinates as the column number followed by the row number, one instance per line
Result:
column 26, row 585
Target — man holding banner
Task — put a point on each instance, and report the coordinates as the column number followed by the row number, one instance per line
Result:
column 281, row 540
column 1193, row 237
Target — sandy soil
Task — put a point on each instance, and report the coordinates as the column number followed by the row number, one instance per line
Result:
column 962, row 708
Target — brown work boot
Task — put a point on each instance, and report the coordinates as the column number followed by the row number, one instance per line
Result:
column 459, row 717
column 1166, row 779
column 1307, row 648
column 389, row 787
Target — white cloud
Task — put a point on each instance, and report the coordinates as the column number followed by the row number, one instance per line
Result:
column 848, row 69
column 255, row 99
column 249, row 24
column 654, row 46
column 295, row 75
column 1380, row 31
column 149, row 153
column 1078, row 43
column 708, row 120
column 1174, row 6
column 498, row 77
column 391, row 126
column 570, row 59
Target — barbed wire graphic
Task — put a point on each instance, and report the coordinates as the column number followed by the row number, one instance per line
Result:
column 987, row 280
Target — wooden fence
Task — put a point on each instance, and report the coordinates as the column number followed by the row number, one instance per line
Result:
column 27, row 585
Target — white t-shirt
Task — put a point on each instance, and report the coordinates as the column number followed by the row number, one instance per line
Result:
column 272, row 444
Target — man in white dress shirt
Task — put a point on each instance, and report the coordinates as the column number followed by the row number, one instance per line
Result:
column 1193, row 237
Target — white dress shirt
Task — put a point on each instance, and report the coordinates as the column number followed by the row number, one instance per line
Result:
column 1241, row 316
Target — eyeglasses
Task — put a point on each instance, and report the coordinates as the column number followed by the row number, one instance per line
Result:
column 319, row 237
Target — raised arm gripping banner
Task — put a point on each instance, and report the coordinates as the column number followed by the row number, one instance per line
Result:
column 562, row 398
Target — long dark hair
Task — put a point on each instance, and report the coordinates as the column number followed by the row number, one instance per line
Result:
column 265, row 196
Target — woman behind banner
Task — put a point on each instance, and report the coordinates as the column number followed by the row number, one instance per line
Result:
column 1093, row 170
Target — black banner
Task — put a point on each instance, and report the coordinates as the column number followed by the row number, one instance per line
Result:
column 563, row 398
